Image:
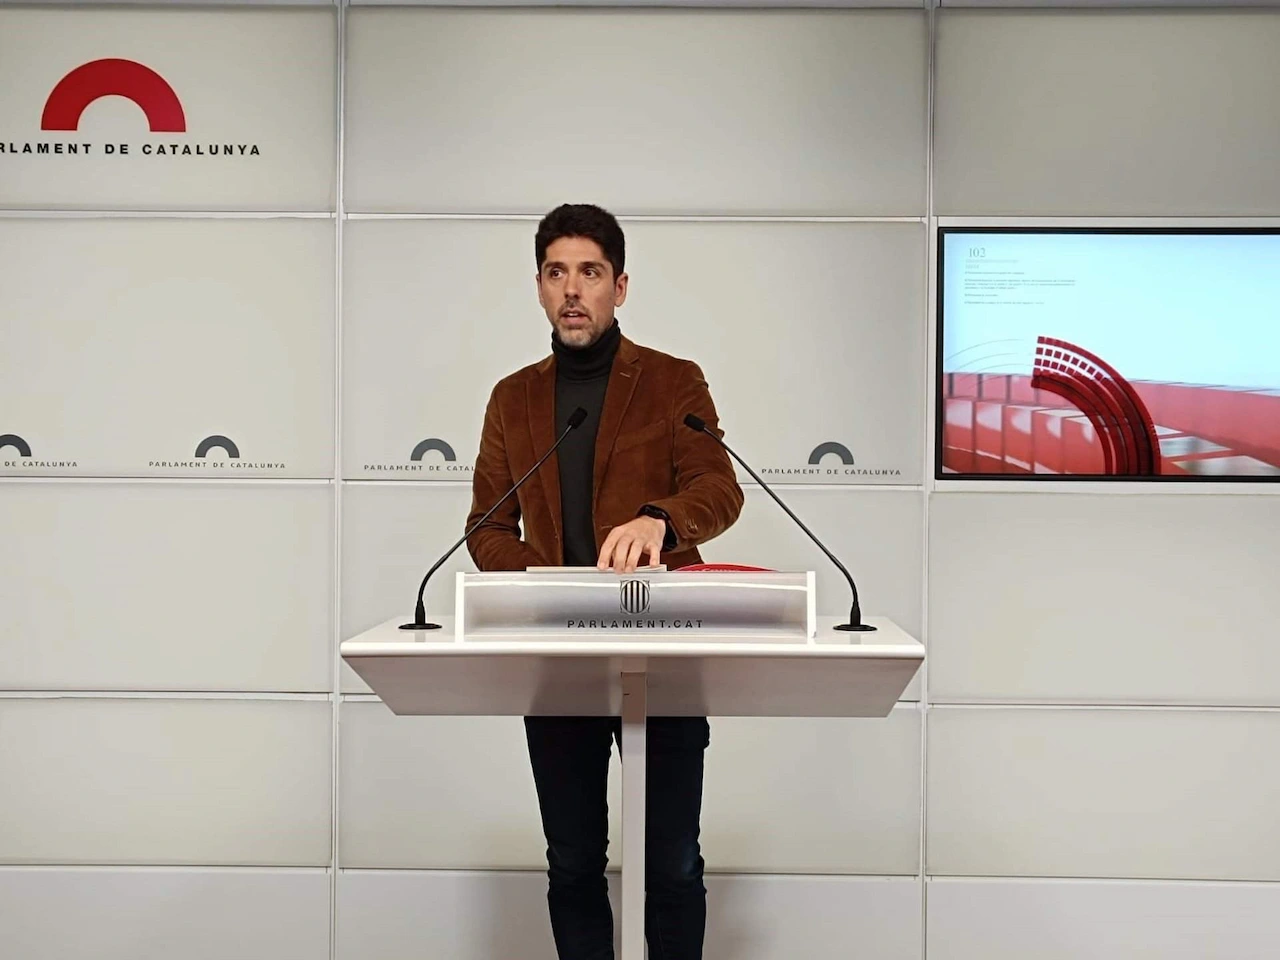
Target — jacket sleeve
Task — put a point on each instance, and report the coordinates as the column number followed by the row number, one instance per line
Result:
column 496, row 544
column 708, row 499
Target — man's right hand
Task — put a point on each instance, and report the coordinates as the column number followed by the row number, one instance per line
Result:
column 627, row 544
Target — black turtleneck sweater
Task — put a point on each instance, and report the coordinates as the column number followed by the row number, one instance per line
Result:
column 581, row 378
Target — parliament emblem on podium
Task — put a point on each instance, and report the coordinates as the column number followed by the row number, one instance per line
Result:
column 633, row 596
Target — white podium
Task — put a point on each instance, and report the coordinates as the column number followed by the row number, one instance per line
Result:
column 653, row 643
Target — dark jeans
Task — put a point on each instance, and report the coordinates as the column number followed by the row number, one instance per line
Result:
column 570, row 758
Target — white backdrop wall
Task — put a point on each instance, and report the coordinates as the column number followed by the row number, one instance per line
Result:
column 219, row 358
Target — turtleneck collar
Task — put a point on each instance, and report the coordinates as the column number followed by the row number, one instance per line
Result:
column 587, row 363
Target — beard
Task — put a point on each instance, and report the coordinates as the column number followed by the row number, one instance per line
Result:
column 578, row 337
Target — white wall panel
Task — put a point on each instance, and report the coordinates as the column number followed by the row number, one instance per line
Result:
column 1101, row 920
column 457, row 792
column 1109, row 114
column 654, row 112
column 442, row 792
column 391, row 535
column 808, row 333
column 789, row 795
column 139, row 342
column 1078, row 598
column 390, row 914
column 424, row 339
column 132, row 586
column 826, row 918
column 65, row 913
column 1173, row 794
column 166, row 781
column 212, row 109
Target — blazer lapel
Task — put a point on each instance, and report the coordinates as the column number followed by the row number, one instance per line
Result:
column 541, row 392
column 622, row 384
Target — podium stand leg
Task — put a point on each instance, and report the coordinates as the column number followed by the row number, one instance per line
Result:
column 634, row 712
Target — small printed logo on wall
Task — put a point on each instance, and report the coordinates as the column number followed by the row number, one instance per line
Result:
column 25, row 460
column 633, row 596
column 226, row 443
column 229, row 462
column 433, row 456
column 15, row 441
column 831, row 446
column 136, row 82
column 434, row 443
column 829, row 459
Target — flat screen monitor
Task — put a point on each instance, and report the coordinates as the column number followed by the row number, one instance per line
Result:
column 1108, row 353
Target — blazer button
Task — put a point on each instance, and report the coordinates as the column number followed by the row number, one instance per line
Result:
column 693, row 527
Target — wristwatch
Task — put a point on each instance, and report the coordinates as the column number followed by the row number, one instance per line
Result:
column 649, row 510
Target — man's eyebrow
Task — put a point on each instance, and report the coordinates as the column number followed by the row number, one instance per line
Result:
column 598, row 264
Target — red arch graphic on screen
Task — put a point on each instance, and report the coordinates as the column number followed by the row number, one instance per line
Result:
column 1125, row 429
column 113, row 77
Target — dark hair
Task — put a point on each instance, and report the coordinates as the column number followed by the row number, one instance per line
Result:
column 582, row 220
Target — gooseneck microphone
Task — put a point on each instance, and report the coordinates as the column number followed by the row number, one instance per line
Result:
column 419, row 611
column 855, row 611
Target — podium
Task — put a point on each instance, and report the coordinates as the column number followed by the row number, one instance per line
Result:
column 653, row 643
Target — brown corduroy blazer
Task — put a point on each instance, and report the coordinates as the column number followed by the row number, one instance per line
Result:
column 644, row 454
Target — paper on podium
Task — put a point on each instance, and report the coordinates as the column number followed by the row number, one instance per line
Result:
column 655, row 568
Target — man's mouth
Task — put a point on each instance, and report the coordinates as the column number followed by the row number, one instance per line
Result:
column 573, row 315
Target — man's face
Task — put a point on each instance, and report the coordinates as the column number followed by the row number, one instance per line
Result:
column 578, row 290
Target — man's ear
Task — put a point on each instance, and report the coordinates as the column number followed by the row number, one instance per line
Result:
column 620, row 290
column 537, row 282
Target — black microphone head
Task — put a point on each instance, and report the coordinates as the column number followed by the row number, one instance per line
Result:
column 695, row 422
column 577, row 418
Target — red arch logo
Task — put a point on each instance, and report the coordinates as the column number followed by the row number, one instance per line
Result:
column 113, row 77
column 1129, row 443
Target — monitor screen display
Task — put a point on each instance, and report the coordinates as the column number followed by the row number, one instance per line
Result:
column 1135, row 353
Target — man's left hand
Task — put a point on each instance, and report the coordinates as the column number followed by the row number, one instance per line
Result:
column 628, row 543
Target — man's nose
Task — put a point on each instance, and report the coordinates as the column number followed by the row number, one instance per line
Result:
column 571, row 285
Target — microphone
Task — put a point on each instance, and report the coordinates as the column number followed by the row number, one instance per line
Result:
column 419, row 612
column 855, row 611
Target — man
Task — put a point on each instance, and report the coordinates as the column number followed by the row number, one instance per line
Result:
column 631, row 484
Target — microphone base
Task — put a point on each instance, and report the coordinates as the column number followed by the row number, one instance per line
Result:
column 854, row 627
column 419, row 626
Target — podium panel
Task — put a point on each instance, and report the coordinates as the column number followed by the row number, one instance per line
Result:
column 582, row 642
column 557, row 643
column 654, row 605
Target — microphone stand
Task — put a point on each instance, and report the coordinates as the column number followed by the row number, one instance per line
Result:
column 855, row 623
column 419, row 611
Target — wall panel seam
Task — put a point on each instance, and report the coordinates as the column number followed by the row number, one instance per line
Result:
column 338, row 489
column 926, row 474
